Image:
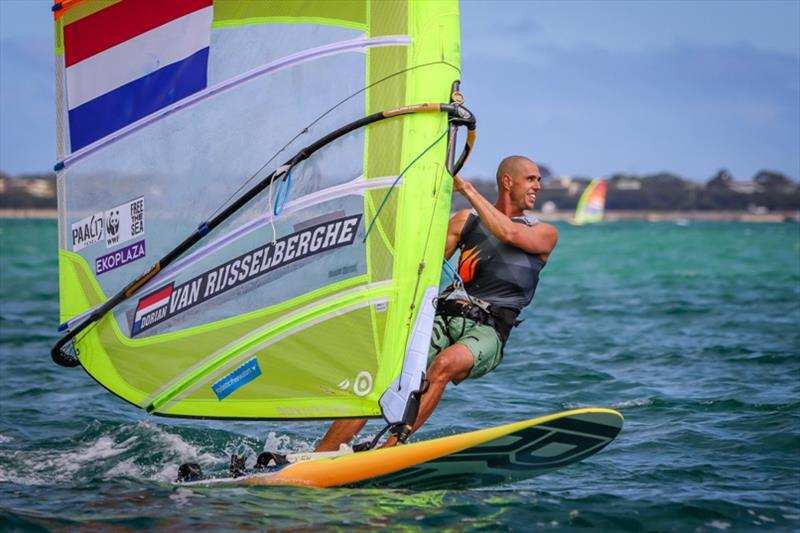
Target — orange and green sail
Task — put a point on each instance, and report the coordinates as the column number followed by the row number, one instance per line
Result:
column 592, row 203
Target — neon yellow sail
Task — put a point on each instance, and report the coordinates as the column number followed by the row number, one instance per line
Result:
column 592, row 203
column 310, row 299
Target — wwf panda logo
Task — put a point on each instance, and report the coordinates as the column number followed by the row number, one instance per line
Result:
column 112, row 224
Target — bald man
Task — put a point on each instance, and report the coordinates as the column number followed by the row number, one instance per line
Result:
column 502, row 253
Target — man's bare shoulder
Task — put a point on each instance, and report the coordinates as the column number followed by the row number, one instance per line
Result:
column 461, row 214
column 457, row 220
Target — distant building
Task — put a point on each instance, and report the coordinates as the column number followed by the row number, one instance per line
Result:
column 563, row 183
column 549, row 207
column 33, row 192
column 557, row 182
column 744, row 187
column 627, row 184
column 40, row 188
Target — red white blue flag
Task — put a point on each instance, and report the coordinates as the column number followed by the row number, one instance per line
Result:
column 151, row 309
column 131, row 59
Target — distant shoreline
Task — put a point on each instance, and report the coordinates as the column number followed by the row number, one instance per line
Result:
column 681, row 216
column 611, row 216
column 8, row 212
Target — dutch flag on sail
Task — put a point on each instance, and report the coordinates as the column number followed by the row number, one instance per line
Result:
column 131, row 59
column 150, row 308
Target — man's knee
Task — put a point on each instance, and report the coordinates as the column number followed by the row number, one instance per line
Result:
column 454, row 362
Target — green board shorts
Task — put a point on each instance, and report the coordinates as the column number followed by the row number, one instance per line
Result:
column 480, row 339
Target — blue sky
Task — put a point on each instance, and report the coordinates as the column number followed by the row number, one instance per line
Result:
column 586, row 87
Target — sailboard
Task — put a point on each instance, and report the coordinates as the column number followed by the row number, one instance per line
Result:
column 253, row 201
column 592, row 203
column 487, row 457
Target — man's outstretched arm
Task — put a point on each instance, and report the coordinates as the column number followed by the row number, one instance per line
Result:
column 539, row 239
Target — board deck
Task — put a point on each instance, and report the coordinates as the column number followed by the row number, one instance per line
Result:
column 480, row 458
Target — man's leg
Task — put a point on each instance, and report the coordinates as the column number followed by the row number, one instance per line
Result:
column 340, row 432
column 454, row 362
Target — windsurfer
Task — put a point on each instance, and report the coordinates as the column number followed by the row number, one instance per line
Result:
column 502, row 252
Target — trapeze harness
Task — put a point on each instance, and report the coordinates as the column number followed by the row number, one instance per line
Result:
column 494, row 282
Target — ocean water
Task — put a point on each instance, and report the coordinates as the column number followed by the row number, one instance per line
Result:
column 692, row 332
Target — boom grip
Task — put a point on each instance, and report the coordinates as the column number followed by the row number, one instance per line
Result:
column 465, row 151
column 459, row 116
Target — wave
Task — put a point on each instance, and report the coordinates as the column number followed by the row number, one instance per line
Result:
column 636, row 402
column 142, row 451
column 44, row 467
column 122, row 451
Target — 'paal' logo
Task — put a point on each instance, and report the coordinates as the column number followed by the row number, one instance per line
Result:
column 87, row 231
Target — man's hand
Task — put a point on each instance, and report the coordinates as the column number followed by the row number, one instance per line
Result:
column 459, row 185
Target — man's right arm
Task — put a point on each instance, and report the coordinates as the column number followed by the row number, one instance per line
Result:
column 454, row 228
column 539, row 239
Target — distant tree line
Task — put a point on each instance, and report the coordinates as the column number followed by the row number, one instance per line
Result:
column 767, row 190
column 28, row 192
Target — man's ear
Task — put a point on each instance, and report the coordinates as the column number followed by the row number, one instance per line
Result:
column 507, row 181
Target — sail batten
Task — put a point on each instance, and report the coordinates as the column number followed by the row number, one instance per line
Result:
column 298, row 303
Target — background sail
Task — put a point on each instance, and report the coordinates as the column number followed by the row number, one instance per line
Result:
column 164, row 117
column 592, row 203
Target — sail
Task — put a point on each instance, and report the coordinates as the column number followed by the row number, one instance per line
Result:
column 592, row 203
column 309, row 298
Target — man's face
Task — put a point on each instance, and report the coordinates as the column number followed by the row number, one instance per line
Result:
column 525, row 185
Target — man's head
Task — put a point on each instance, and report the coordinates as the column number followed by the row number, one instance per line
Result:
column 518, row 181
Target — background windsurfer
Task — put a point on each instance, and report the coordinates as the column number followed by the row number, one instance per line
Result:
column 502, row 252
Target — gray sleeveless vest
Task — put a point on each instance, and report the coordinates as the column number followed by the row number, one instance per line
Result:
column 498, row 273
